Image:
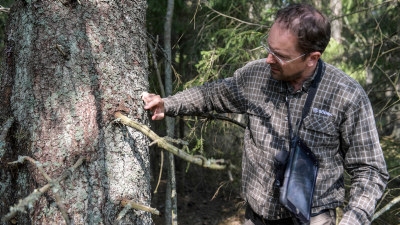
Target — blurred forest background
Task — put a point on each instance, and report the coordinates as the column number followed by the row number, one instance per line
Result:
column 211, row 39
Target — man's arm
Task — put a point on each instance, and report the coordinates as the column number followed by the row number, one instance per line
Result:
column 364, row 161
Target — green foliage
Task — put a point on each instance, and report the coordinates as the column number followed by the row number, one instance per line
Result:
column 230, row 38
column 222, row 61
column 335, row 54
column 3, row 23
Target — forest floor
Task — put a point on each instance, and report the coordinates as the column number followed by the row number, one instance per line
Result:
column 201, row 202
column 199, row 211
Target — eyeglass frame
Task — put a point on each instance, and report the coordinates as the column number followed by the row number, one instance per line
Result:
column 269, row 51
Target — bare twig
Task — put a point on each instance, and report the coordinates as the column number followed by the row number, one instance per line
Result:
column 219, row 117
column 208, row 163
column 56, row 195
column 160, row 174
column 153, row 50
column 233, row 18
column 35, row 195
column 154, row 54
column 4, row 10
column 219, row 188
column 128, row 204
column 135, row 205
column 386, row 207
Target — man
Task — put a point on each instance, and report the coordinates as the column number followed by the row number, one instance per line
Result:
column 339, row 129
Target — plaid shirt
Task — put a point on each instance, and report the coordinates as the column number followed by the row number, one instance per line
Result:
column 340, row 130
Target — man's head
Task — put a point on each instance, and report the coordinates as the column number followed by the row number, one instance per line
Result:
column 295, row 42
column 312, row 28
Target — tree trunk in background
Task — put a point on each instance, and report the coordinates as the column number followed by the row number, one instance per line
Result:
column 336, row 24
column 69, row 66
column 171, row 202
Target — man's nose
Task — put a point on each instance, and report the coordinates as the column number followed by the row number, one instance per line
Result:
column 270, row 59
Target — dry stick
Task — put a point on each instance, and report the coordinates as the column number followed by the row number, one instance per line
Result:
column 129, row 204
column 220, row 117
column 29, row 200
column 153, row 53
column 217, row 164
column 59, row 203
column 386, row 207
column 160, row 173
column 4, row 10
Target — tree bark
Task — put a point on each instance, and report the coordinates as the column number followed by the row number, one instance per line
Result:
column 69, row 66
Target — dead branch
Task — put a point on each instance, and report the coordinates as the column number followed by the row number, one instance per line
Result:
column 217, row 164
column 129, row 204
column 35, row 195
column 134, row 205
column 386, row 207
column 4, row 10
column 220, row 117
column 233, row 18
column 57, row 197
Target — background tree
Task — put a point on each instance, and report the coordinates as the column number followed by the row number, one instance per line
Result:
column 68, row 67
column 171, row 209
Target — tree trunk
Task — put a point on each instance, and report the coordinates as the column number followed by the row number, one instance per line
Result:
column 337, row 24
column 171, row 203
column 69, row 66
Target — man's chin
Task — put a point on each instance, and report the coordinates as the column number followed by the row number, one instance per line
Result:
column 276, row 76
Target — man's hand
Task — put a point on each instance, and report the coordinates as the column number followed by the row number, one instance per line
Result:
column 155, row 104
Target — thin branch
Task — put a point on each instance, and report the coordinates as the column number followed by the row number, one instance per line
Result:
column 160, row 173
column 395, row 90
column 57, row 197
column 219, row 117
column 386, row 207
column 35, row 195
column 128, row 204
column 154, row 54
column 4, row 10
column 135, row 205
column 364, row 9
column 233, row 18
column 217, row 164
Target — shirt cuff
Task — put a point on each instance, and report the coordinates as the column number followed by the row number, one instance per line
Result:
column 355, row 216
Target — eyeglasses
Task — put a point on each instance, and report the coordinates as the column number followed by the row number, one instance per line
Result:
column 264, row 43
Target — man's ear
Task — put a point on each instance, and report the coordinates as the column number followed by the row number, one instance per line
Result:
column 313, row 58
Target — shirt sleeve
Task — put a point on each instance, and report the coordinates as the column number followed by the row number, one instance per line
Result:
column 222, row 96
column 363, row 160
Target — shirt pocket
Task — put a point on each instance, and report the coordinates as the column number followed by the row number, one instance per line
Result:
column 321, row 131
column 260, row 125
